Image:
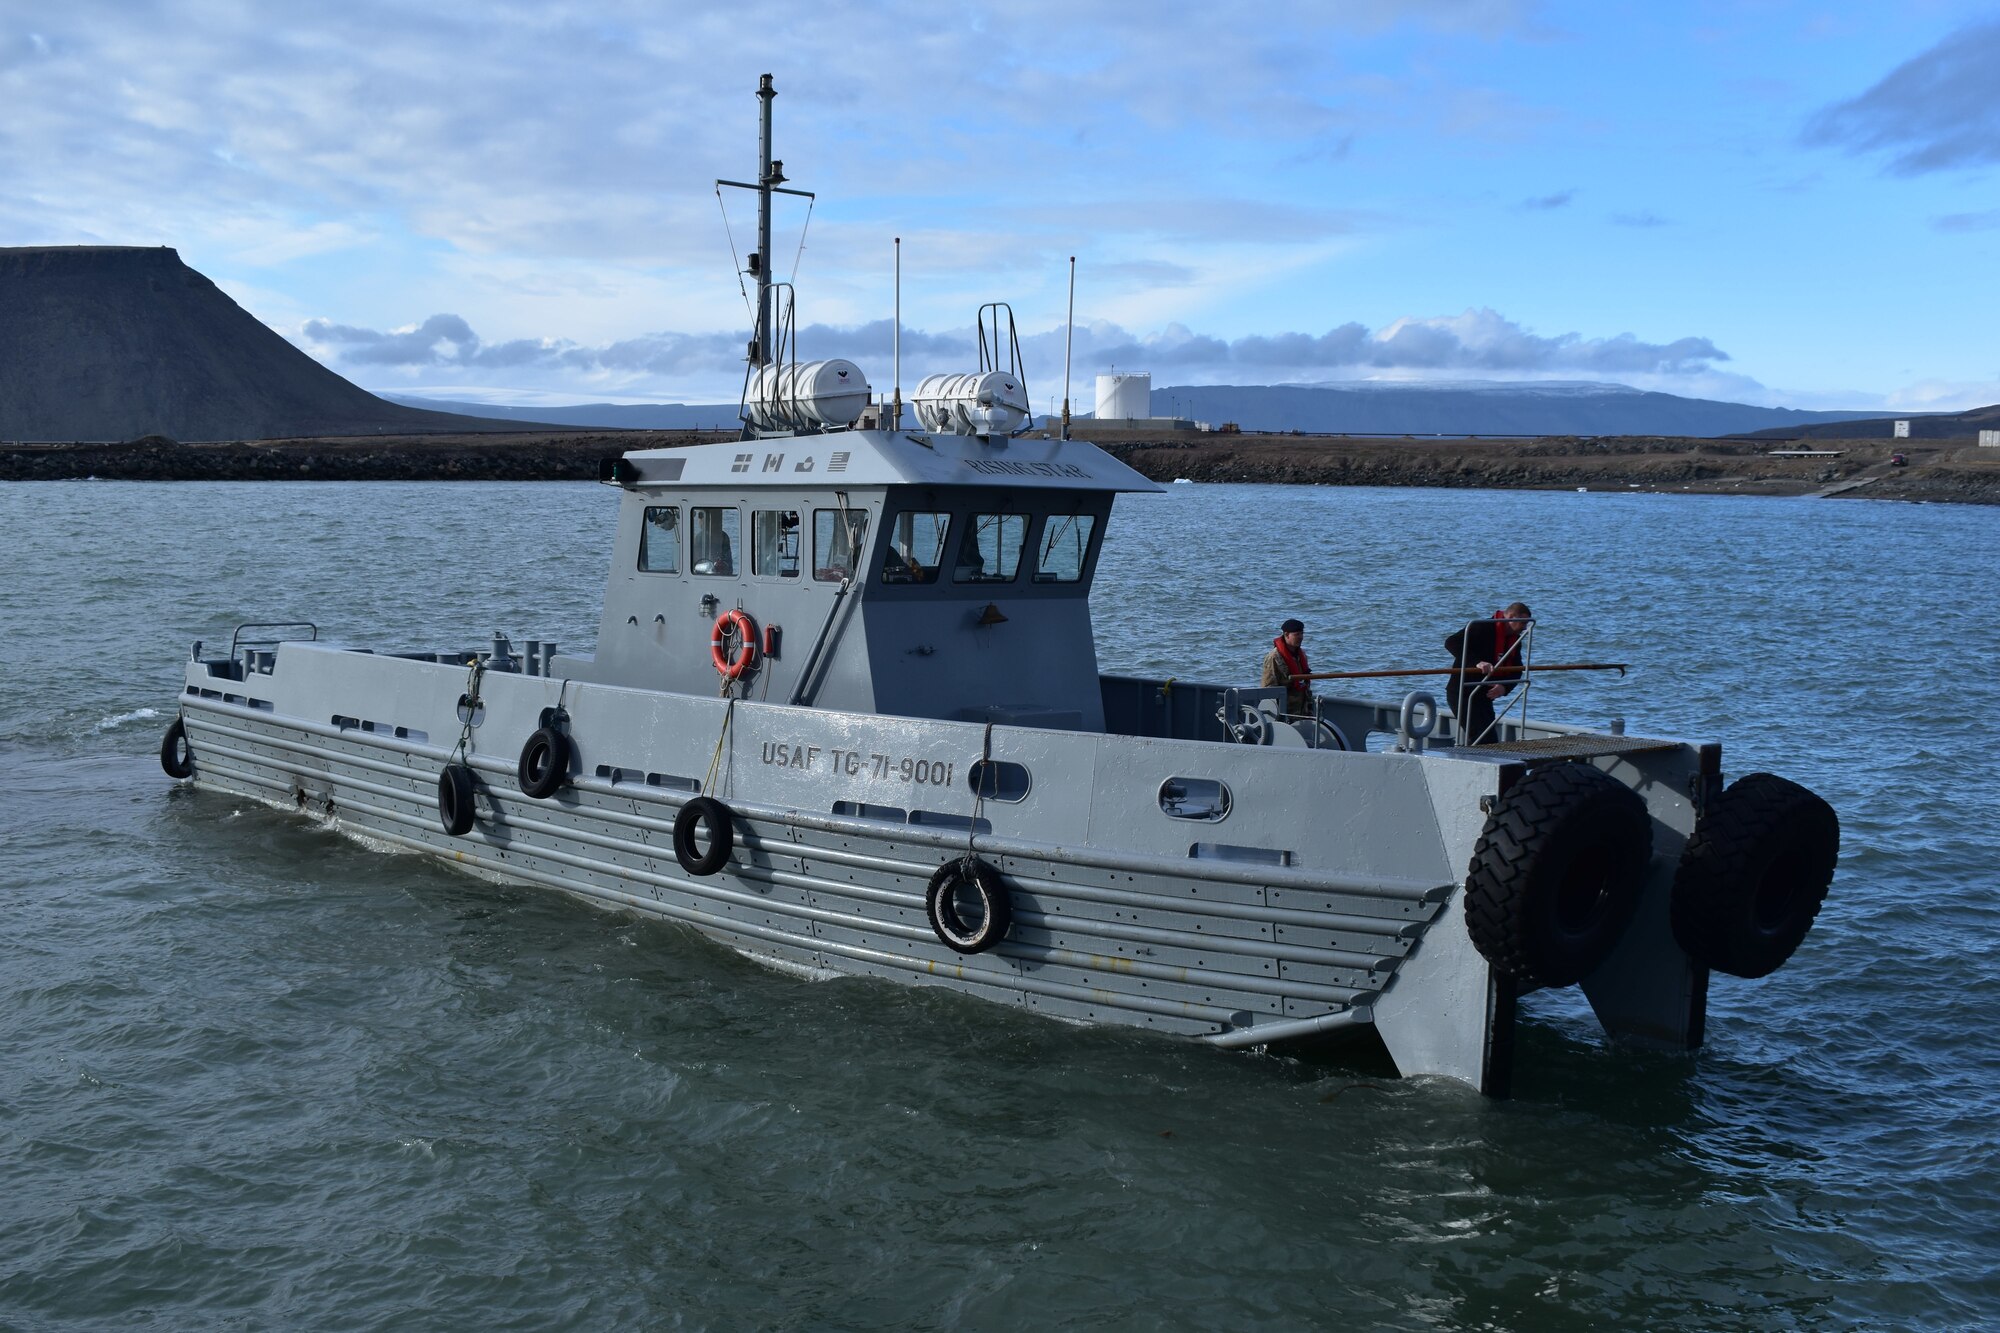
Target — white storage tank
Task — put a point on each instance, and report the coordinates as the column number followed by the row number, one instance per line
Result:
column 808, row 396
column 1124, row 397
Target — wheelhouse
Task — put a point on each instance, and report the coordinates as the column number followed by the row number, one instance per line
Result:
column 918, row 575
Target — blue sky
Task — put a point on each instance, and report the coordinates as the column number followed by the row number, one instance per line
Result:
column 1783, row 203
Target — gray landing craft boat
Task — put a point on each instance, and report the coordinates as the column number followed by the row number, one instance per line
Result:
column 845, row 716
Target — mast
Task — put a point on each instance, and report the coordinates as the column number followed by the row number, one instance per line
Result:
column 770, row 180
column 769, row 173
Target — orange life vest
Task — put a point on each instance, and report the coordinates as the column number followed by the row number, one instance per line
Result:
column 1295, row 662
column 1505, row 639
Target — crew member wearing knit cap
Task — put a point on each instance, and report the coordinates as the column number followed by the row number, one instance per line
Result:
column 1286, row 664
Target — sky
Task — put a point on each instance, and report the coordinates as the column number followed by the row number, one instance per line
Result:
column 1790, row 204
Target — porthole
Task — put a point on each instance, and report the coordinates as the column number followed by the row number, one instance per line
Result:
column 1204, row 799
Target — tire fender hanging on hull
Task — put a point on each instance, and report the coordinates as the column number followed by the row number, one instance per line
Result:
column 713, row 818
column 1752, row 878
column 968, row 906
column 544, row 766
column 455, row 800
column 176, row 755
column 1557, row 872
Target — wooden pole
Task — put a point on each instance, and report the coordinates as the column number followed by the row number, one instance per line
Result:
column 1499, row 673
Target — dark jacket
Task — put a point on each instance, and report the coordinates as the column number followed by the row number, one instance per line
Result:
column 1479, row 642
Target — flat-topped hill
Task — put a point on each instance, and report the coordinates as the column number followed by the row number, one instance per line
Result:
column 102, row 342
column 1936, row 426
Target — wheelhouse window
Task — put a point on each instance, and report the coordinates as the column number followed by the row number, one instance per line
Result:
column 660, row 540
column 1064, row 546
column 916, row 546
column 713, row 533
column 838, row 540
column 990, row 550
column 774, row 543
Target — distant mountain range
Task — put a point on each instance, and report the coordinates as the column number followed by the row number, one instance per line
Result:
column 1477, row 407
column 101, row 342
column 610, row 416
column 107, row 343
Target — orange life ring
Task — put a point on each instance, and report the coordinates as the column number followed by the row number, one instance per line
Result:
column 732, row 668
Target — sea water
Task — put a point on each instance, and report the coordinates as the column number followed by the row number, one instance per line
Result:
column 255, row 1075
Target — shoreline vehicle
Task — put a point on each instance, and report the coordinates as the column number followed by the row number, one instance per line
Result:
column 845, row 714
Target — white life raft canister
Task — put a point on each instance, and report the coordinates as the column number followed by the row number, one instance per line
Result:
column 806, row 396
column 990, row 402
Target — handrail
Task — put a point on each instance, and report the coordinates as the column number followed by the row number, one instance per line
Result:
column 989, row 354
column 1619, row 667
column 1514, row 665
column 237, row 640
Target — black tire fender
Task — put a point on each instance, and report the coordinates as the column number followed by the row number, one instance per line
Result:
column 1752, row 878
column 944, row 904
column 176, row 755
column 544, row 766
column 455, row 799
column 1557, row 872
column 714, row 819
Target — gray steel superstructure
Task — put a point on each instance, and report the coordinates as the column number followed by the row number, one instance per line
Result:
column 845, row 714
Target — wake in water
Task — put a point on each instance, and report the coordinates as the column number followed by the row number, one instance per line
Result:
column 120, row 719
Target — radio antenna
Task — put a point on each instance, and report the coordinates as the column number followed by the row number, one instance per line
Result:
column 1068, row 338
column 896, row 406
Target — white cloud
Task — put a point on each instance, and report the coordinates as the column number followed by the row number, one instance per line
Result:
column 529, row 167
column 530, row 129
column 1936, row 111
column 708, row 366
column 1931, row 395
column 265, row 242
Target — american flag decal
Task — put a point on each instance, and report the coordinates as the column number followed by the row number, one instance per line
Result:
column 838, row 463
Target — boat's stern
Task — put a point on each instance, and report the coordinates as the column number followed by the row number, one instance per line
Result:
column 1621, row 865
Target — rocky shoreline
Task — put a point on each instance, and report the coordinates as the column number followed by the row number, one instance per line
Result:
column 1936, row 471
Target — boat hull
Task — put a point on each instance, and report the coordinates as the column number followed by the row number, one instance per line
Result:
column 1327, row 898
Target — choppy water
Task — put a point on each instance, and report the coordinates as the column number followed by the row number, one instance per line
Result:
column 254, row 1075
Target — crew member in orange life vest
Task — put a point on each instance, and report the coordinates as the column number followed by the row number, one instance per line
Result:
column 1493, row 651
column 1285, row 663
